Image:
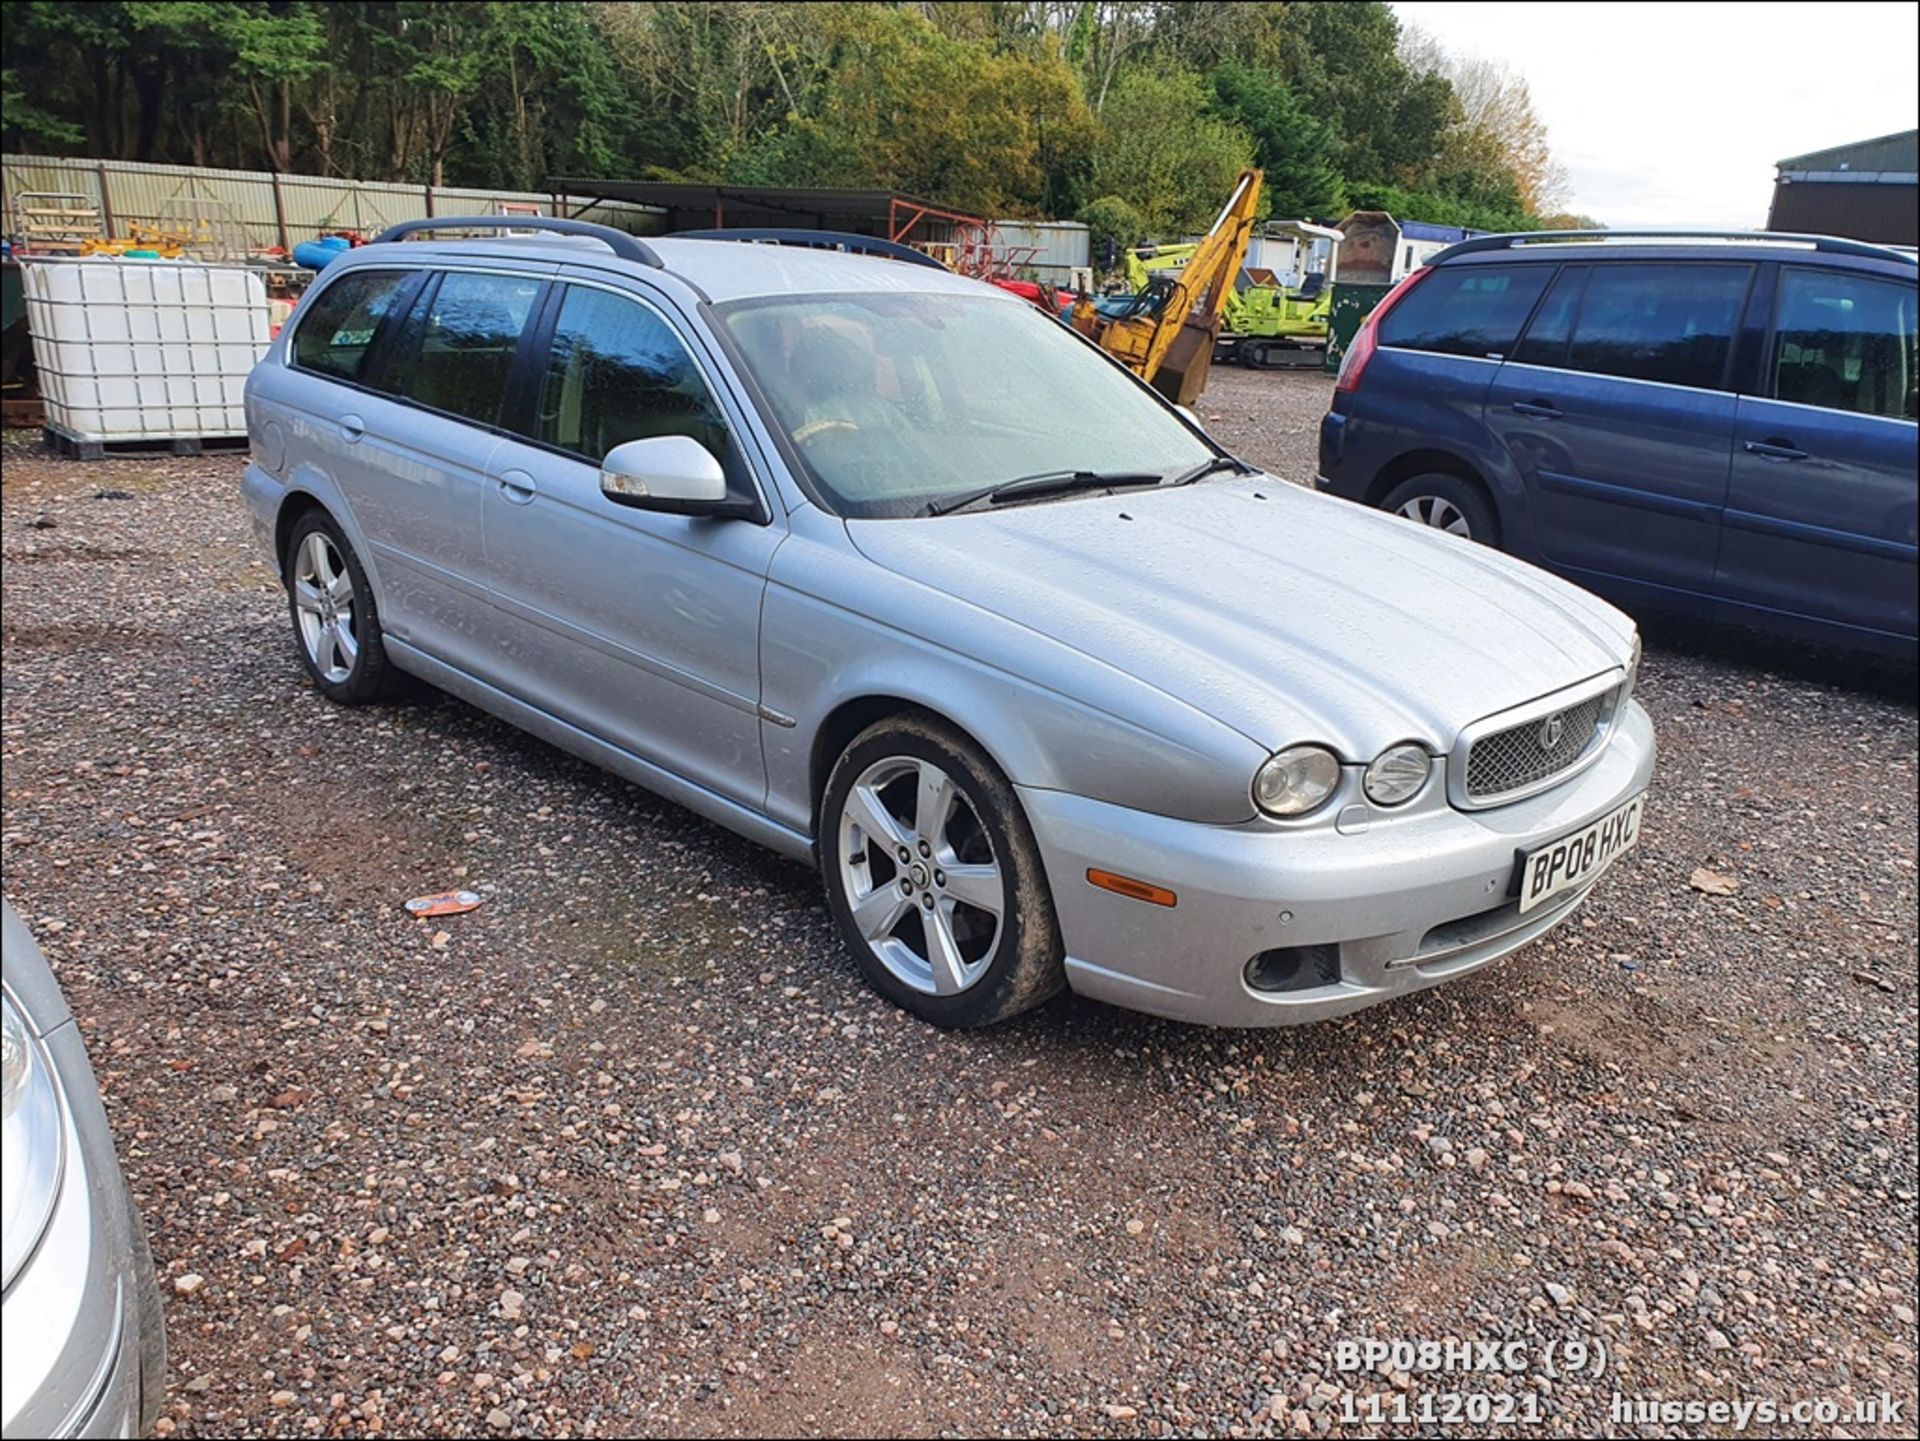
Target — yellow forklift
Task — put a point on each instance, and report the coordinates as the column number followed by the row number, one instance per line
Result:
column 1166, row 330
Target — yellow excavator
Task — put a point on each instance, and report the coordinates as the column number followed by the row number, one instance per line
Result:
column 1165, row 331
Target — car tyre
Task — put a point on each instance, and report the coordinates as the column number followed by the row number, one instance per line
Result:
column 336, row 624
column 153, row 1335
column 1445, row 503
column 934, row 877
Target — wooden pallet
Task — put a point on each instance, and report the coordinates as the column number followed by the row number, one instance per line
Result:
column 66, row 443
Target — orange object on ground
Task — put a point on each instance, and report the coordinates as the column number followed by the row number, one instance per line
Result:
column 446, row 903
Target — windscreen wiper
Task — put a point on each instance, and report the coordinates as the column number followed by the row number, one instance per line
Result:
column 1047, row 482
column 1206, row 468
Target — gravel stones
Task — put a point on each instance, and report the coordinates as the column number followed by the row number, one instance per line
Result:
column 918, row 1232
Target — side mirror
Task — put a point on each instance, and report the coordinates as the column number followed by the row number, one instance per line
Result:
column 672, row 473
column 1192, row 418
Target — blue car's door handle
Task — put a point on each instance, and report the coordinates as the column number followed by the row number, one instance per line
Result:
column 1775, row 448
column 1544, row 410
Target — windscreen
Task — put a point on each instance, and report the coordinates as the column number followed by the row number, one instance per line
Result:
column 896, row 402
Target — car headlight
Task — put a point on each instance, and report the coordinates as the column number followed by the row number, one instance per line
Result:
column 1633, row 670
column 1397, row 774
column 32, row 1137
column 1296, row 780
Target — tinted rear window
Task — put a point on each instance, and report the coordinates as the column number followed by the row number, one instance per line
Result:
column 1466, row 309
column 1667, row 323
column 455, row 350
column 337, row 332
column 1846, row 342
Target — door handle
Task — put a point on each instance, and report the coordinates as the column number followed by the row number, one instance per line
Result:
column 1542, row 409
column 517, row 486
column 352, row 427
column 1775, row 448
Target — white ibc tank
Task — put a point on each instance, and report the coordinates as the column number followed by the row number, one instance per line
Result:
column 144, row 349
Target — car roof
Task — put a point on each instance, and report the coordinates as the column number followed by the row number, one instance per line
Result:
column 1559, row 246
column 721, row 270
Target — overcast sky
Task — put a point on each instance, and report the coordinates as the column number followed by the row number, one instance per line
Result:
column 1675, row 113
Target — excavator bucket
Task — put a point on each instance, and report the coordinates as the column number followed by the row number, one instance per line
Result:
column 1183, row 369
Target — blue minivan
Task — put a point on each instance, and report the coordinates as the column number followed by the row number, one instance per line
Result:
column 1722, row 426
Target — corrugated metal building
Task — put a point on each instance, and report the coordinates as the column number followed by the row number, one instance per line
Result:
column 1051, row 250
column 265, row 209
column 1869, row 190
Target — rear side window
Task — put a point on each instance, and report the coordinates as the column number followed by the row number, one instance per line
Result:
column 617, row 372
column 1668, row 323
column 455, row 350
column 338, row 330
column 1844, row 342
column 1466, row 309
column 1545, row 342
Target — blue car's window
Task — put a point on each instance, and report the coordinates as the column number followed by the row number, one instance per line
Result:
column 1844, row 342
column 1466, row 309
column 1545, row 342
column 894, row 401
column 1668, row 323
column 337, row 332
column 456, row 346
column 618, row 373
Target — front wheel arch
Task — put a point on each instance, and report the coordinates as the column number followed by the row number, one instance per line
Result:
column 848, row 719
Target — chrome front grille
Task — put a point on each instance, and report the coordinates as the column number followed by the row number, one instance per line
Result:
column 1526, row 755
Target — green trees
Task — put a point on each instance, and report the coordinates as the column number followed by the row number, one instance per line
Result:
column 1165, row 153
column 897, row 105
column 1296, row 150
column 1039, row 107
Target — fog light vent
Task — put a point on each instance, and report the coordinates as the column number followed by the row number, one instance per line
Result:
column 1295, row 968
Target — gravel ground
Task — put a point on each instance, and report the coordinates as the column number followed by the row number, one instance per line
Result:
column 630, row 1148
column 1270, row 417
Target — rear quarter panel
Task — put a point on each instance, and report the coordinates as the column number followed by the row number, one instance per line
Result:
column 1413, row 410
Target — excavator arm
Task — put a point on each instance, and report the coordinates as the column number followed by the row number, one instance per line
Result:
column 1168, row 342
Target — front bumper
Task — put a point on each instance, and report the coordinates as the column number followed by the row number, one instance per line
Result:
column 83, row 1334
column 1404, row 902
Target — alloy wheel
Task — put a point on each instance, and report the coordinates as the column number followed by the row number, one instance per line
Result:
column 920, row 876
column 324, row 600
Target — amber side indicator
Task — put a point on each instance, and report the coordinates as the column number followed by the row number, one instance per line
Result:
column 1134, row 890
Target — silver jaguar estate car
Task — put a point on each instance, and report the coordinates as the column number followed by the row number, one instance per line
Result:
column 884, row 568
column 85, row 1345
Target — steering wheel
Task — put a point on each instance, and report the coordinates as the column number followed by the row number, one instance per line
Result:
column 815, row 428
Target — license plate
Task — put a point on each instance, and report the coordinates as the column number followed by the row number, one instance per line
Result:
column 1577, row 859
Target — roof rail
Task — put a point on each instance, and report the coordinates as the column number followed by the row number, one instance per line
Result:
column 619, row 242
column 844, row 240
column 1830, row 244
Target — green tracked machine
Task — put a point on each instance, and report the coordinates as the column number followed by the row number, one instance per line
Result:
column 1278, row 311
